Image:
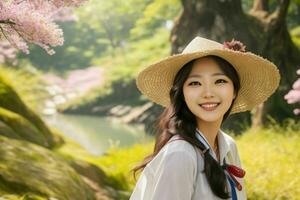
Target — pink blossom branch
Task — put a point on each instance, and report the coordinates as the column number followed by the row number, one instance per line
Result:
column 7, row 53
column 293, row 96
column 32, row 21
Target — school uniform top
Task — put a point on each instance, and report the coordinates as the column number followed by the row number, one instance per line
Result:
column 176, row 172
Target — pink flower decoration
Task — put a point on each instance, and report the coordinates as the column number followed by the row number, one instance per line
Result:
column 235, row 45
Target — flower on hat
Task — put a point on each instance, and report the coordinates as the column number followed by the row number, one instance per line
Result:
column 235, row 45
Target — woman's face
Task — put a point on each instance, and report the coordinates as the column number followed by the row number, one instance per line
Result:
column 208, row 92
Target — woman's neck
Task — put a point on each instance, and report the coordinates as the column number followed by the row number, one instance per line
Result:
column 210, row 131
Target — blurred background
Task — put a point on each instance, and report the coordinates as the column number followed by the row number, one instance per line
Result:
column 72, row 122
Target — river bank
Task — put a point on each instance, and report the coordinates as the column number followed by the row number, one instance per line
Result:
column 32, row 165
column 97, row 134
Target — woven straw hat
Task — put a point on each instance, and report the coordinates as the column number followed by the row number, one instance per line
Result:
column 259, row 77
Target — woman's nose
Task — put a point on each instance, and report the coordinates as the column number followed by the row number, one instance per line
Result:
column 208, row 91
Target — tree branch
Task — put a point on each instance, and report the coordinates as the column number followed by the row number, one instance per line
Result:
column 7, row 38
column 260, row 9
column 279, row 15
column 7, row 21
column 260, row 5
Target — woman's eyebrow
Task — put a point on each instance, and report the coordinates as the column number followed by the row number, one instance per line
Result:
column 198, row 75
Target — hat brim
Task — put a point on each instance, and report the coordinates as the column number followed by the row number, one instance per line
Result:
column 259, row 77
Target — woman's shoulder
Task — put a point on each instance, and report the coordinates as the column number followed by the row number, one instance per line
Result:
column 177, row 151
column 178, row 144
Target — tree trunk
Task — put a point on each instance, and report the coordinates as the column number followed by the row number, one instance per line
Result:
column 263, row 33
column 260, row 5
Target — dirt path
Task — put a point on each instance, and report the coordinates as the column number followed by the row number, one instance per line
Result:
column 77, row 84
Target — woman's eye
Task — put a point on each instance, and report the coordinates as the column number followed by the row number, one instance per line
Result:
column 221, row 81
column 198, row 83
column 194, row 83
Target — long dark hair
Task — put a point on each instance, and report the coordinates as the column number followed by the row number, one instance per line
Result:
column 178, row 119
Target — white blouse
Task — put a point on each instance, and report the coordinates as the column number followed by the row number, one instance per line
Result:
column 175, row 173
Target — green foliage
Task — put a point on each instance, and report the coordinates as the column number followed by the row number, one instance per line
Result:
column 112, row 18
column 247, row 5
column 293, row 17
column 295, row 34
column 128, row 62
column 82, row 43
column 155, row 15
column 26, row 82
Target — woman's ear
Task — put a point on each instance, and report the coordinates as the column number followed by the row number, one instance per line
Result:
column 234, row 95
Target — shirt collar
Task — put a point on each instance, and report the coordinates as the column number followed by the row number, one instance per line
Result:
column 224, row 147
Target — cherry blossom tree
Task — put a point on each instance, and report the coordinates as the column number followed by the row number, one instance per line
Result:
column 32, row 21
column 293, row 96
column 7, row 52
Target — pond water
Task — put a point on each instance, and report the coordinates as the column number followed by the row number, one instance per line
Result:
column 97, row 134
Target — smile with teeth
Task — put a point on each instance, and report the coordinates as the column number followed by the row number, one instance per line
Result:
column 209, row 107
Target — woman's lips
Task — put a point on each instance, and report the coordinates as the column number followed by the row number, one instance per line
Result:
column 209, row 106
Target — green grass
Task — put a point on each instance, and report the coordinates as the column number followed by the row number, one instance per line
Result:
column 119, row 162
column 23, row 197
column 71, row 149
column 271, row 158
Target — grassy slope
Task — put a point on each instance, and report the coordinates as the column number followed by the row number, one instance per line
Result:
column 14, row 110
column 272, row 159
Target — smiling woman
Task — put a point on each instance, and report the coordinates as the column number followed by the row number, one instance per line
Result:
column 193, row 158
